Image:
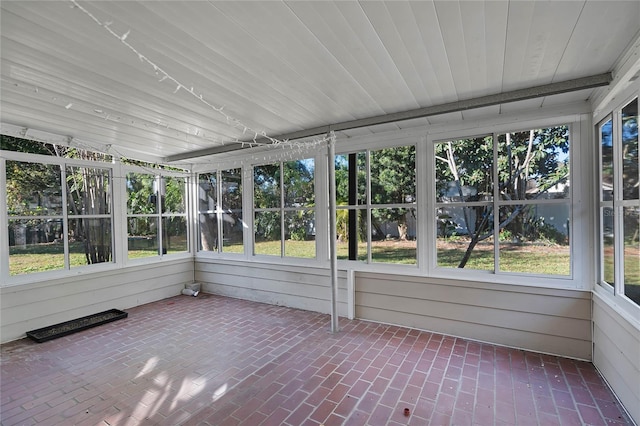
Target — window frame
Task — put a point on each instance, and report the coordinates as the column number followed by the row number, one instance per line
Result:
column 67, row 269
column 573, row 281
column 118, row 217
column 368, row 205
column 219, row 212
column 283, row 209
column 159, row 215
column 617, row 205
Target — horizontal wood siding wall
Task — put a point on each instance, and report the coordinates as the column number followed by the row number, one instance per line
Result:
column 30, row 306
column 292, row 286
column 539, row 319
column 616, row 354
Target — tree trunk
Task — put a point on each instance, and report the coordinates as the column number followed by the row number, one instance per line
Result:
column 467, row 254
column 403, row 228
column 208, row 234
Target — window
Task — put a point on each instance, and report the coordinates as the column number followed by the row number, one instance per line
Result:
column 89, row 221
column 619, row 203
column 503, row 202
column 156, row 215
column 376, row 205
column 284, row 209
column 220, row 211
column 60, row 216
column 351, row 206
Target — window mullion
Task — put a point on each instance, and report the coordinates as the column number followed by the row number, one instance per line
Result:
column 4, row 223
column 618, row 238
column 282, row 231
column 119, row 214
column 368, row 192
column 496, row 207
column 352, row 227
column 219, row 210
column 65, row 216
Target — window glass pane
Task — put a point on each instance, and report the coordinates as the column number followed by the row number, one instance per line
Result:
column 344, row 233
column 535, row 239
column 393, row 175
column 88, row 191
column 232, row 189
column 266, row 186
column 630, row 169
column 232, row 231
column 174, row 234
column 534, row 164
column 208, row 232
column 342, row 165
column 606, row 163
column 465, row 237
column 464, row 170
column 267, row 233
column 393, row 235
column 141, row 196
column 35, row 245
column 33, row 189
column 142, row 237
column 361, row 177
column 207, row 192
column 300, row 238
column 89, row 241
column 608, row 247
column 632, row 253
column 173, row 194
column 298, row 183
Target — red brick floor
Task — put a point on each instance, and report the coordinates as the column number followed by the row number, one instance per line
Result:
column 217, row 361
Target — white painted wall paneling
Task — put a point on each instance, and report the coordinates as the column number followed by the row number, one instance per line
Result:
column 30, row 306
column 616, row 353
column 296, row 287
column 543, row 320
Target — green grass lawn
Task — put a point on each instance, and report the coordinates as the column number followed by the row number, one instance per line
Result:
column 50, row 256
column 300, row 249
column 538, row 259
column 43, row 257
column 526, row 258
column 384, row 252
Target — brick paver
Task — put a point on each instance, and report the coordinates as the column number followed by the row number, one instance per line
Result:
column 213, row 360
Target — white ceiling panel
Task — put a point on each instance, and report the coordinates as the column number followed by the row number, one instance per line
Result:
column 157, row 79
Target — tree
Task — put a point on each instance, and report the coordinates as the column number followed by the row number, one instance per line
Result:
column 27, row 182
column 208, row 196
column 530, row 165
column 88, row 193
column 343, row 186
column 393, row 181
column 266, row 194
column 294, row 182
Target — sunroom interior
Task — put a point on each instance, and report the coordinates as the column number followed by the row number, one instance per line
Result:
column 466, row 168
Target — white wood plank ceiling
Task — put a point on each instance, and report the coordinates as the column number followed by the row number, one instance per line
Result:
column 283, row 66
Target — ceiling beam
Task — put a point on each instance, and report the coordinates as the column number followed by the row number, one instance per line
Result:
column 480, row 102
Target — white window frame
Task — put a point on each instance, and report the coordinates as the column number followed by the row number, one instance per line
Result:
column 63, row 163
column 579, row 240
column 157, row 174
column 496, row 203
column 368, row 206
column 282, row 209
column 118, row 218
column 218, row 211
column 615, row 291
